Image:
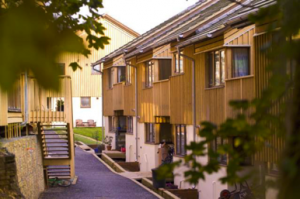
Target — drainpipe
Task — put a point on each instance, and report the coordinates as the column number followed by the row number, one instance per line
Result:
column 193, row 90
column 136, row 111
column 26, row 99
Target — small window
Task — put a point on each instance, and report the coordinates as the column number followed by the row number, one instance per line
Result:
column 61, row 68
column 110, row 77
column 165, row 66
column 215, row 65
column 128, row 74
column 149, row 74
column 178, row 66
column 121, row 74
column 85, row 102
column 215, row 144
column 240, row 62
column 130, row 125
column 180, row 131
column 110, row 124
column 150, row 134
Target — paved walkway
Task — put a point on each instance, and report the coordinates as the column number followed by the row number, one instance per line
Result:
column 96, row 181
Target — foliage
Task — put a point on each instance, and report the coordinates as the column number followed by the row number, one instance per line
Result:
column 108, row 140
column 256, row 122
column 34, row 33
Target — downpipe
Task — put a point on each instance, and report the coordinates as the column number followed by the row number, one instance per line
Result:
column 193, row 90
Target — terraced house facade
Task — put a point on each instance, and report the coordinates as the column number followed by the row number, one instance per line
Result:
column 181, row 73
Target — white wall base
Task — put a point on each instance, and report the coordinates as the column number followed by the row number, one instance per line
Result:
column 94, row 113
column 107, row 133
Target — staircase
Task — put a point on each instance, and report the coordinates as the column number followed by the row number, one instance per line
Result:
column 56, row 146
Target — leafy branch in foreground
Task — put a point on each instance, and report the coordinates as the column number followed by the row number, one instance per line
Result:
column 35, row 32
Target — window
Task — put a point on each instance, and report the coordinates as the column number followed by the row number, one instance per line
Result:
column 110, row 123
column 240, row 62
column 96, row 70
column 149, row 74
column 85, row 102
column 130, row 125
column 61, row 68
column 215, row 145
column 165, row 66
column 150, row 134
column 178, row 67
column 247, row 159
column 110, row 77
column 128, row 74
column 216, row 68
column 121, row 74
column 14, row 99
column 180, row 131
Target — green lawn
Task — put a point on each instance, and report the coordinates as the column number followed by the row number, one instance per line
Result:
column 89, row 132
column 84, row 140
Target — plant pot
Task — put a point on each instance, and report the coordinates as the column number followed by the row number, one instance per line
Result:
column 108, row 147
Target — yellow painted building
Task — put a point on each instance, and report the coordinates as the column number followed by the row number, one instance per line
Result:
column 86, row 83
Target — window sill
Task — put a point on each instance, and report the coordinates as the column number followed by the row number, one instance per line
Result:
column 145, row 88
column 118, row 83
column 177, row 74
column 215, row 87
column 129, row 133
column 179, row 156
column 237, row 78
column 161, row 81
column 128, row 84
column 85, row 107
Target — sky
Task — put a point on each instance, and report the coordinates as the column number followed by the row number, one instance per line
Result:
column 142, row 15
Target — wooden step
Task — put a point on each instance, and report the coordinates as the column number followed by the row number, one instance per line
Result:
column 55, row 141
column 56, row 136
column 58, row 166
column 54, row 132
column 55, row 149
column 54, row 129
column 56, row 145
column 56, row 157
column 60, row 177
column 59, row 174
column 57, row 153
column 58, row 170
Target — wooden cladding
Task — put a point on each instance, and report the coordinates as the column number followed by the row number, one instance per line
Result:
column 118, row 96
column 161, row 100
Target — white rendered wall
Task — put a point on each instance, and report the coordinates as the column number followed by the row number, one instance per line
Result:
column 94, row 113
column 131, row 145
column 211, row 188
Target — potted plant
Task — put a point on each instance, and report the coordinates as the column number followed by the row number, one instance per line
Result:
column 60, row 105
column 108, row 141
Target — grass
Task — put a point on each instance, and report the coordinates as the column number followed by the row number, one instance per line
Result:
column 84, row 140
column 89, row 132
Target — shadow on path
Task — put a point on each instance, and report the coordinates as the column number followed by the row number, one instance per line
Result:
column 96, row 181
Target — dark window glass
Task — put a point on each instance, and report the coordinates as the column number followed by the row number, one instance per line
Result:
column 129, row 125
column 180, row 131
column 215, row 65
column 215, row 144
column 121, row 74
column 164, row 69
column 150, row 134
column 128, row 74
column 240, row 62
column 178, row 66
column 149, row 74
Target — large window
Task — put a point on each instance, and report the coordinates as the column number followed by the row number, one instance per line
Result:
column 150, row 133
column 129, row 125
column 85, row 102
column 240, row 62
column 178, row 63
column 128, row 74
column 180, row 131
column 215, row 65
column 149, row 75
column 215, row 144
column 165, row 68
column 121, row 74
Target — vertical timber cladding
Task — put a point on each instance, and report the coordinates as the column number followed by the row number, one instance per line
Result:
column 181, row 92
column 129, row 92
column 268, row 154
column 83, row 83
column 3, row 108
column 107, row 92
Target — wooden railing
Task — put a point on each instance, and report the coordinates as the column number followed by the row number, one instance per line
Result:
column 50, row 106
column 239, row 89
column 118, row 96
column 161, row 98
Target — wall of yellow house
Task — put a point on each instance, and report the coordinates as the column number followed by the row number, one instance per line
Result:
column 83, row 83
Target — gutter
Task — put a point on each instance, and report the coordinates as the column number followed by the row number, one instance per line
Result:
column 193, row 90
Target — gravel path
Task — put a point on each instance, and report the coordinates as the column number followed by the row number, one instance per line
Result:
column 95, row 181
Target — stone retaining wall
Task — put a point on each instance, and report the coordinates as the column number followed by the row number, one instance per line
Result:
column 29, row 165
